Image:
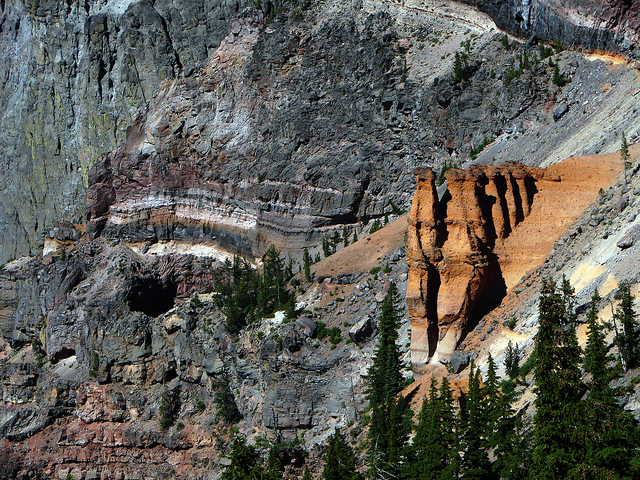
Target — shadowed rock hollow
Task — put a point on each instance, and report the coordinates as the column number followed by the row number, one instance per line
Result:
column 491, row 225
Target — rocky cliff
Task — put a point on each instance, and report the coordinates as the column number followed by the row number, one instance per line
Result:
column 361, row 98
column 474, row 241
column 612, row 26
column 73, row 74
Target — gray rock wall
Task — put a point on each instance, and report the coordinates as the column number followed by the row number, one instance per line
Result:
column 72, row 75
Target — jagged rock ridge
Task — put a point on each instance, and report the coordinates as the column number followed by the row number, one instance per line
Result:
column 491, row 225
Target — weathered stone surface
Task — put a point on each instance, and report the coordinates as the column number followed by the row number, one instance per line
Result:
column 73, row 74
column 491, row 226
column 362, row 330
column 459, row 361
column 612, row 25
column 630, row 238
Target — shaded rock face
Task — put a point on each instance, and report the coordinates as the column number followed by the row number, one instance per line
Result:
column 612, row 25
column 73, row 74
column 454, row 272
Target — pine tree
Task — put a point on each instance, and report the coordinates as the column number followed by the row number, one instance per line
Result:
column 384, row 376
column 387, row 429
column 608, row 434
column 340, row 461
column 307, row 474
column 434, row 451
column 355, row 237
column 509, row 436
column 558, row 386
column 629, row 339
column 306, row 258
column 475, row 463
column 345, row 236
column 512, row 360
column 244, row 462
column 596, row 359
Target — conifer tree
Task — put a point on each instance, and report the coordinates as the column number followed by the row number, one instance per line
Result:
column 340, row 461
column 307, row 474
column 608, row 434
column 628, row 339
column 558, row 386
column 512, row 360
column 384, row 376
column 387, row 429
column 596, row 359
column 244, row 462
column 509, row 436
column 475, row 463
column 306, row 258
column 434, row 451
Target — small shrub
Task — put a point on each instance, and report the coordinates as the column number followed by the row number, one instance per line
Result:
column 195, row 300
column 374, row 271
column 95, row 365
column 200, row 406
column 169, row 407
column 321, row 331
column 476, row 151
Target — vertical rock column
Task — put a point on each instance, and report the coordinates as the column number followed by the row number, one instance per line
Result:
column 422, row 255
column 463, row 271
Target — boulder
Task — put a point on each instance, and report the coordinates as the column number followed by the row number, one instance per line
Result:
column 629, row 238
column 459, row 361
column 362, row 330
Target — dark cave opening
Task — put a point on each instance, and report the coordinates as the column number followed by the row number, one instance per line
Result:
column 63, row 353
column 151, row 297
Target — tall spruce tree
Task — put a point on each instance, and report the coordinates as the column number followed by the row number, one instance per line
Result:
column 509, row 436
column 340, row 461
column 558, row 386
column 628, row 339
column 433, row 453
column 474, row 463
column 609, row 435
column 387, row 429
column 244, row 462
column 306, row 258
column 385, row 377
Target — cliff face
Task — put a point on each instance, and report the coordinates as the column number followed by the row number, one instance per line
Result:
column 72, row 75
column 252, row 149
column 491, row 226
column 612, row 25
column 100, row 333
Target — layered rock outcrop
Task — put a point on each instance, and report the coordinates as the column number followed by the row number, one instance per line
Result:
column 210, row 161
column 469, row 245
